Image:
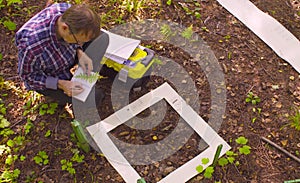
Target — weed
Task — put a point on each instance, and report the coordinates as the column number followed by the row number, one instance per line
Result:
column 205, row 29
column 10, row 176
column 67, row 165
column 188, row 32
column 243, row 149
column 32, row 102
column 41, row 158
column 11, row 159
column 3, row 122
column 5, row 21
column 252, row 98
column 31, row 178
column 48, row 108
column 22, row 158
column 166, row 31
column 28, row 126
column 48, row 133
column 9, row 25
column 295, row 120
column 133, row 6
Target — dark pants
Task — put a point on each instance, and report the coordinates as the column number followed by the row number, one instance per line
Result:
column 95, row 50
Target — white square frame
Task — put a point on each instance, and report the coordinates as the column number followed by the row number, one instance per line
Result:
column 100, row 130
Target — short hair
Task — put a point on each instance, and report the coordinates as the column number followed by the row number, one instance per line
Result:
column 82, row 19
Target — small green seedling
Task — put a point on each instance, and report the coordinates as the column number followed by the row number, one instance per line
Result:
column 41, row 158
column 209, row 172
column 252, row 98
column 48, row 133
column 48, row 108
column 245, row 149
column 188, row 32
column 67, row 165
column 10, row 176
column 166, row 31
column 295, row 120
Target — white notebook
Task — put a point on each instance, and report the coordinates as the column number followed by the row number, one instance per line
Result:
column 87, row 86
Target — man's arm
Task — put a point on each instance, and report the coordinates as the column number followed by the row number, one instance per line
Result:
column 69, row 87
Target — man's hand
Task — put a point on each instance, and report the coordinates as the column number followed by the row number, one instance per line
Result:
column 85, row 62
column 70, row 88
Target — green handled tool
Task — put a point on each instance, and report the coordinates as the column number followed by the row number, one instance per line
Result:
column 82, row 140
column 141, row 180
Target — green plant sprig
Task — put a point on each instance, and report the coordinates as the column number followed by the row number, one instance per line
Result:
column 91, row 78
column 295, row 120
column 243, row 149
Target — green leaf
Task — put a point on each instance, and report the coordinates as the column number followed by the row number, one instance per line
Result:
column 48, row 133
column 230, row 159
column 169, row 2
column 245, row 150
column 22, row 158
column 223, row 161
column 241, row 140
column 10, row 25
column 1, row 56
column 71, row 171
column 10, row 143
column 188, row 32
column 10, row 2
column 199, row 168
column 9, row 160
column 6, row 132
column 3, row 122
column 46, row 161
column 37, row 159
column 208, row 172
column 43, row 154
column 231, row 153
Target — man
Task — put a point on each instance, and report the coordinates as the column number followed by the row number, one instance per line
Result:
column 51, row 43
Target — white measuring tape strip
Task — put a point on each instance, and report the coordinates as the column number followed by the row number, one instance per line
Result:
column 274, row 34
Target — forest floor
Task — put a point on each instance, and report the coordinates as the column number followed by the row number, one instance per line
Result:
column 248, row 64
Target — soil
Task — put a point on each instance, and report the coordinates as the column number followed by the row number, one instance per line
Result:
column 248, row 65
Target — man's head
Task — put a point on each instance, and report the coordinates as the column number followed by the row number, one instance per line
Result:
column 80, row 24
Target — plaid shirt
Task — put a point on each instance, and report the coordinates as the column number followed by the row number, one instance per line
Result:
column 43, row 59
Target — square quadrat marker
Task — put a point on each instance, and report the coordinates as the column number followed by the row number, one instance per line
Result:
column 99, row 133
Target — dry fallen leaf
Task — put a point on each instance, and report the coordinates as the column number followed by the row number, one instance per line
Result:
column 284, row 142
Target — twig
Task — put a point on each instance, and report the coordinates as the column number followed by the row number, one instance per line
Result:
column 281, row 149
column 250, row 89
column 18, row 122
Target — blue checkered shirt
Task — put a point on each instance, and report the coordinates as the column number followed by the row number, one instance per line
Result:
column 43, row 59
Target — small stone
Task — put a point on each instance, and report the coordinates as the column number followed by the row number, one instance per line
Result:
column 124, row 133
column 154, row 137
